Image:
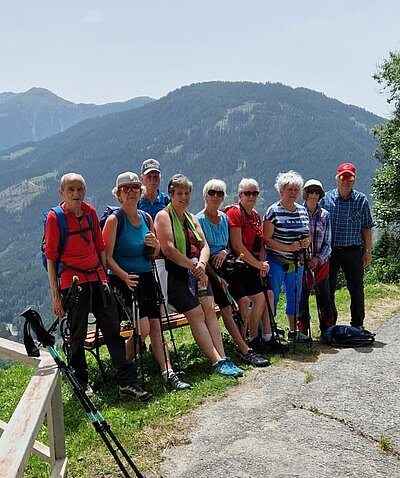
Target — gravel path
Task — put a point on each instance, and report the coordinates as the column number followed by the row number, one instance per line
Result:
column 314, row 420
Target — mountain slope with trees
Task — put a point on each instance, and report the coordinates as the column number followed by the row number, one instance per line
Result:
column 215, row 129
column 38, row 114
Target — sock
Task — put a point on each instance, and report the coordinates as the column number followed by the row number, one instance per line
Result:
column 166, row 373
column 267, row 337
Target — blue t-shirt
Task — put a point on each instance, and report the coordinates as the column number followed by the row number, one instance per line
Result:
column 130, row 245
column 289, row 226
column 153, row 208
column 348, row 217
column 217, row 235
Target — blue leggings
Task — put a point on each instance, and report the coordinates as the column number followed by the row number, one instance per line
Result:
column 278, row 276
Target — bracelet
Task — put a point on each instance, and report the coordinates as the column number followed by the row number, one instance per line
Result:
column 202, row 262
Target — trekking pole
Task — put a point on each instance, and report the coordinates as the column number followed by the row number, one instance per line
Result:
column 161, row 300
column 296, row 269
column 137, row 338
column 70, row 299
column 274, row 326
column 34, row 322
column 306, row 270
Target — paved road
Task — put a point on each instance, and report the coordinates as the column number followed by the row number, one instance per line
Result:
column 306, row 420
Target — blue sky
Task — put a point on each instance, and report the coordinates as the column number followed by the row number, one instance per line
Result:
column 104, row 51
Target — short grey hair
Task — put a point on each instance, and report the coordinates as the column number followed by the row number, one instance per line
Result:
column 71, row 177
column 291, row 178
column 216, row 184
column 246, row 182
column 179, row 181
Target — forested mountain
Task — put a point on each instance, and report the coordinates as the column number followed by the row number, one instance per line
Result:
column 38, row 113
column 216, row 129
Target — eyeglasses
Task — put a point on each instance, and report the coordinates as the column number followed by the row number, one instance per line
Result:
column 313, row 191
column 213, row 192
column 347, row 177
column 127, row 189
column 251, row 193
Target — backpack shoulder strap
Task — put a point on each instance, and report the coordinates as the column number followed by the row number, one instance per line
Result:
column 146, row 218
column 166, row 198
column 62, row 221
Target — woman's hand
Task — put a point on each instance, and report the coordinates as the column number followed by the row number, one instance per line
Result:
column 312, row 263
column 264, row 268
column 219, row 258
column 295, row 246
column 151, row 240
column 199, row 270
column 131, row 280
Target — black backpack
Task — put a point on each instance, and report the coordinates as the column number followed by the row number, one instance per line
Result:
column 347, row 336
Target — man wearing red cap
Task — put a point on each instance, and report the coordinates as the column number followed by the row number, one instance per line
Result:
column 352, row 224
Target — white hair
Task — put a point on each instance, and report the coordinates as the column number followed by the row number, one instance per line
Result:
column 291, row 178
column 246, row 182
column 216, row 184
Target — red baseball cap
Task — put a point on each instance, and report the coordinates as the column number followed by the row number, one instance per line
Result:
column 346, row 168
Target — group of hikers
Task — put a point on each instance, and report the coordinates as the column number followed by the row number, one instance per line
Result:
column 226, row 256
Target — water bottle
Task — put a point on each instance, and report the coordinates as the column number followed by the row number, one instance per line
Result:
column 201, row 291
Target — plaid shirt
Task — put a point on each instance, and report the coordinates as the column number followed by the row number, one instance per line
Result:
column 348, row 216
column 321, row 234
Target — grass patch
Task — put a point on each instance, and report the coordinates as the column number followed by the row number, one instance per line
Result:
column 145, row 430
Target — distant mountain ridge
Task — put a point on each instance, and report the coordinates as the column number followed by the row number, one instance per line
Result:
column 38, row 113
column 215, row 129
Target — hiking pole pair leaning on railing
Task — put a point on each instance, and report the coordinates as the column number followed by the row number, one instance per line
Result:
column 33, row 322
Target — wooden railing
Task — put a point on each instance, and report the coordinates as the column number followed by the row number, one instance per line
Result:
column 42, row 397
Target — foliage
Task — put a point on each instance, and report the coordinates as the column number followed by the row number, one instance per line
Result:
column 386, row 184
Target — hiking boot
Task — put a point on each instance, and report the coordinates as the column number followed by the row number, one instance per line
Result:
column 276, row 346
column 88, row 390
column 134, row 390
column 238, row 370
column 259, row 345
column 298, row 337
column 253, row 359
column 225, row 368
column 175, row 383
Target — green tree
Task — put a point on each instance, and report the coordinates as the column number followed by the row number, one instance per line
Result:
column 386, row 185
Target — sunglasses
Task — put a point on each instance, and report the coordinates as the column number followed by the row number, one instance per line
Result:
column 213, row 192
column 347, row 177
column 127, row 189
column 313, row 191
column 251, row 193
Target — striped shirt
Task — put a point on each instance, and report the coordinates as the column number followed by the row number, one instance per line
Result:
column 289, row 226
column 348, row 217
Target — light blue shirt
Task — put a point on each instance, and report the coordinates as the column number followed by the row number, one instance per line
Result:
column 217, row 235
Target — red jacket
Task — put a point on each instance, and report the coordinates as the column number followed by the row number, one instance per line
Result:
column 78, row 253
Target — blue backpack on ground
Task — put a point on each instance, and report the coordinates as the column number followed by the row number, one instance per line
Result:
column 347, row 336
column 64, row 233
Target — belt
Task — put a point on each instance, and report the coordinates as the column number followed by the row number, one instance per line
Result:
column 346, row 248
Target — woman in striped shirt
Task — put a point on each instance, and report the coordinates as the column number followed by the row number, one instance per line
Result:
column 286, row 233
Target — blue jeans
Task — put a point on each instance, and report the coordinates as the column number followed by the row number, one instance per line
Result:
column 279, row 275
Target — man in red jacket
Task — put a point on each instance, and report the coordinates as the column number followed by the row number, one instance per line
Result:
column 84, row 257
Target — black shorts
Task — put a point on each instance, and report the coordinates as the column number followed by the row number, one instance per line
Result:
column 220, row 297
column 246, row 281
column 179, row 295
column 146, row 294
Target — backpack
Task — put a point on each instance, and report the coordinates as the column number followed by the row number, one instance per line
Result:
column 64, row 233
column 117, row 211
column 347, row 336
